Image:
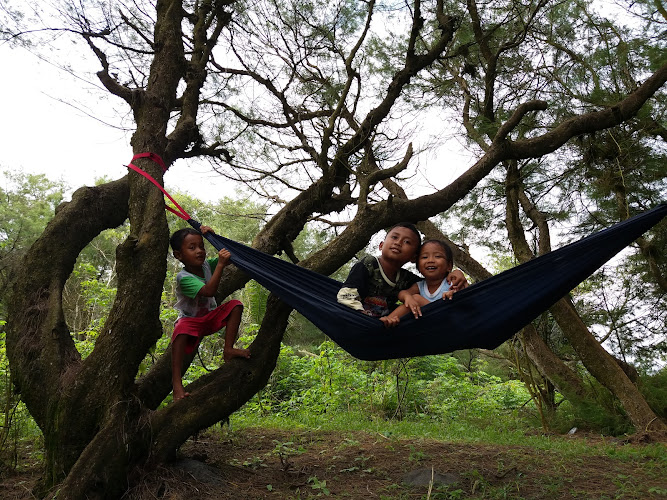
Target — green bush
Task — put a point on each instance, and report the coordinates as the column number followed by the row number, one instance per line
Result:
column 433, row 387
column 18, row 430
column 654, row 389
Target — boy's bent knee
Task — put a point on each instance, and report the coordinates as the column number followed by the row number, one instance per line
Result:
column 179, row 341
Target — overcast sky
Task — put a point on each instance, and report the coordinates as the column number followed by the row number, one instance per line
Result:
column 42, row 135
column 60, row 125
column 55, row 124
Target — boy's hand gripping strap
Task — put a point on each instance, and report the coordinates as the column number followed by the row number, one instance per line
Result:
column 156, row 158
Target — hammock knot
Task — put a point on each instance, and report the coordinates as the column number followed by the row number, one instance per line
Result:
column 151, row 156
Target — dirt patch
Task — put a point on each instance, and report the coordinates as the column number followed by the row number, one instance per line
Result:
column 278, row 464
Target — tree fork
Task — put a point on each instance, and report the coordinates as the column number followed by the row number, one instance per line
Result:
column 45, row 364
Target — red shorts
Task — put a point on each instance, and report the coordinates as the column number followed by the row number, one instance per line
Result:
column 201, row 326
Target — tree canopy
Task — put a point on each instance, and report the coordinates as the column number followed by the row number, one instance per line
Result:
column 315, row 107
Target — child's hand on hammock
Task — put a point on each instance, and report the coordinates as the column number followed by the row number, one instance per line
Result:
column 390, row 321
column 223, row 257
column 412, row 306
column 206, row 229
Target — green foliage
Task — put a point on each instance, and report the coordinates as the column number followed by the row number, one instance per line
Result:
column 88, row 298
column 562, row 52
column 285, row 450
column 432, row 387
column 473, row 396
column 319, row 383
column 254, row 301
column 319, row 486
column 577, row 59
column 601, row 413
column 18, row 431
column 313, row 377
column 654, row 389
column 28, row 203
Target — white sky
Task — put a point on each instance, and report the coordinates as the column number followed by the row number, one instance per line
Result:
column 55, row 124
column 66, row 128
column 40, row 134
column 42, row 131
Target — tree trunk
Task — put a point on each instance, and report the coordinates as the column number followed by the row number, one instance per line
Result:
column 133, row 435
column 605, row 369
column 552, row 367
column 596, row 360
column 46, row 367
column 98, row 421
column 547, row 363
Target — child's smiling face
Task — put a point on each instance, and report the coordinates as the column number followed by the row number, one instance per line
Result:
column 432, row 262
column 400, row 245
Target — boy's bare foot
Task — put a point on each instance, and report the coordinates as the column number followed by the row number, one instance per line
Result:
column 179, row 393
column 233, row 352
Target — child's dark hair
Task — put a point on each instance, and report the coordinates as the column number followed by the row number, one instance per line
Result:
column 176, row 240
column 445, row 248
column 411, row 227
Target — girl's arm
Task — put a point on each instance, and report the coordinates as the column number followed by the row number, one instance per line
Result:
column 410, row 301
column 408, row 292
column 412, row 304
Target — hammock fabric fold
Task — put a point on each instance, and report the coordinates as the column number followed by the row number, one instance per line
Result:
column 483, row 315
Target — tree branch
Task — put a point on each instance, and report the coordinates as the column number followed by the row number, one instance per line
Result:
column 589, row 122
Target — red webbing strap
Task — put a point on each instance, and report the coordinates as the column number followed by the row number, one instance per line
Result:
column 152, row 156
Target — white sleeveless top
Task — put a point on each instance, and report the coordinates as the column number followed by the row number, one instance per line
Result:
column 437, row 295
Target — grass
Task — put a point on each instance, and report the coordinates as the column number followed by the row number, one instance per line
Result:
column 492, row 433
column 342, row 454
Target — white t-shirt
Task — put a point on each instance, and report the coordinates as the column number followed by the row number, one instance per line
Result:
column 187, row 287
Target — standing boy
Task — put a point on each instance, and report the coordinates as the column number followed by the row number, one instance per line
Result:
column 198, row 313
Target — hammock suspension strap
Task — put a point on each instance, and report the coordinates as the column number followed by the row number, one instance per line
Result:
column 178, row 211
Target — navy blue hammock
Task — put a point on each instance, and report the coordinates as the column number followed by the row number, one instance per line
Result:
column 484, row 315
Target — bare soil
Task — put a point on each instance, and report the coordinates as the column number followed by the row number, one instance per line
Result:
column 277, row 464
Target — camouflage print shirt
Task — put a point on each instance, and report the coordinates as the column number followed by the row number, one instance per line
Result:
column 377, row 294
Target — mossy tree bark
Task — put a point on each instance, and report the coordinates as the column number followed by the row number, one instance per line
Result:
column 99, row 421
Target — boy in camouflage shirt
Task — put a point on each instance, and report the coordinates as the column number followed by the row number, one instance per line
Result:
column 373, row 284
